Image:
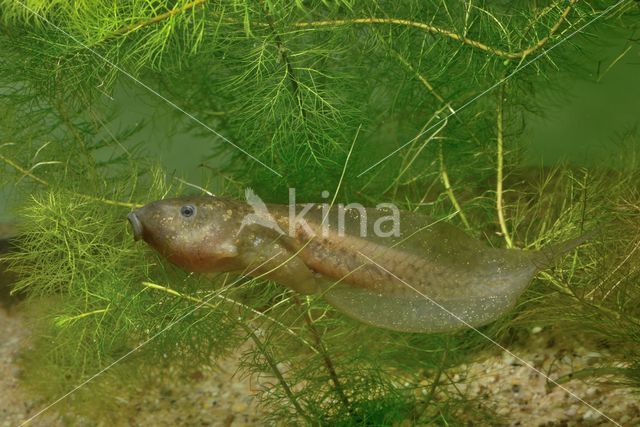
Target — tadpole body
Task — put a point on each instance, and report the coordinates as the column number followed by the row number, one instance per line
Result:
column 427, row 276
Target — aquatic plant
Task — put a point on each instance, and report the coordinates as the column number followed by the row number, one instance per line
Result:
column 415, row 102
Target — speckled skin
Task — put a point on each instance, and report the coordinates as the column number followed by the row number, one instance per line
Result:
column 431, row 277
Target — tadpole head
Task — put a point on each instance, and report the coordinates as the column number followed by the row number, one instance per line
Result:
column 170, row 225
column 195, row 233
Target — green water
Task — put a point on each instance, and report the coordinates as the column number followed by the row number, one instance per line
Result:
column 584, row 124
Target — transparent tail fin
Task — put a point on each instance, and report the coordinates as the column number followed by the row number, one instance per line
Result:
column 547, row 256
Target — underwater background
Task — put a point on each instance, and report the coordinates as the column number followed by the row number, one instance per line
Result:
column 107, row 106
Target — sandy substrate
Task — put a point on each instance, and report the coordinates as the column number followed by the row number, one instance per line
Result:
column 223, row 398
column 216, row 398
column 15, row 406
column 519, row 386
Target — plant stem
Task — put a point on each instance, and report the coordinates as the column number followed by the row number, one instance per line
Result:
column 447, row 185
column 147, row 22
column 450, row 34
column 586, row 373
column 435, row 383
column 500, row 140
column 328, row 363
column 444, row 176
column 270, row 361
column 274, row 368
column 39, row 180
column 24, row 171
column 69, row 319
column 231, row 301
column 282, row 52
column 418, row 75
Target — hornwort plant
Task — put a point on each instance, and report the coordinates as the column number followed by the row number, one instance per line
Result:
column 418, row 103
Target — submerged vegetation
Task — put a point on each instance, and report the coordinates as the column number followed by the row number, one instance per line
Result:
column 419, row 102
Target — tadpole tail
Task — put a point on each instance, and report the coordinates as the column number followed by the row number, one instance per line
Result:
column 546, row 257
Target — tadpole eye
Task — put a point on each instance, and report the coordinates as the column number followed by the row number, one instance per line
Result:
column 187, row 211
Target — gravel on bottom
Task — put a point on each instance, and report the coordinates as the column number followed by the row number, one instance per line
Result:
column 519, row 386
column 220, row 397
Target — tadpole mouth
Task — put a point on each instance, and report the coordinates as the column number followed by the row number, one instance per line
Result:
column 136, row 225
